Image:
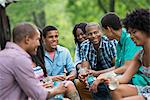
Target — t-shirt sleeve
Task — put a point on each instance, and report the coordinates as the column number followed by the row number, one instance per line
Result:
column 131, row 49
column 113, row 44
column 69, row 62
column 84, row 51
column 77, row 58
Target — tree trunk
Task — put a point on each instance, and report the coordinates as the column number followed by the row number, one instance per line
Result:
column 5, row 33
column 112, row 5
column 101, row 6
column 39, row 19
column 104, row 8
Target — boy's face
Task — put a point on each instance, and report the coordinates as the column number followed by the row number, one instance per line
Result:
column 51, row 40
column 94, row 34
column 108, row 33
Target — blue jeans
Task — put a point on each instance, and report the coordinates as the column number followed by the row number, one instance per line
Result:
column 102, row 94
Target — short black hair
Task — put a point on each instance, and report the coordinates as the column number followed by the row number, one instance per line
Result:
column 111, row 20
column 48, row 28
column 23, row 29
column 80, row 26
column 138, row 19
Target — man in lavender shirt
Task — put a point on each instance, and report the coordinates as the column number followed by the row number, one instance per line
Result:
column 17, row 81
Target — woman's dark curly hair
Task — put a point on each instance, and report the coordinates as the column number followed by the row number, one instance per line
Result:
column 138, row 19
column 38, row 59
column 82, row 27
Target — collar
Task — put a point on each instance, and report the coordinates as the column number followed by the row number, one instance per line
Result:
column 102, row 40
column 58, row 50
column 100, row 44
column 124, row 34
column 12, row 45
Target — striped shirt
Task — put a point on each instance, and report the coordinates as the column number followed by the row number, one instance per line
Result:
column 38, row 71
column 106, row 52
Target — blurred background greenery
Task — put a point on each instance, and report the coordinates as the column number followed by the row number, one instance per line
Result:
column 64, row 14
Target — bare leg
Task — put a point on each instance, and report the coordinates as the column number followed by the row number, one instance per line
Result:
column 72, row 93
column 82, row 90
column 124, row 90
column 134, row 98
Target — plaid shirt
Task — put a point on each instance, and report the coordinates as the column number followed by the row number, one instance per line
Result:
column 107, row 52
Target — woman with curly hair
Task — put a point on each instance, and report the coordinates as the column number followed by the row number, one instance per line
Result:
column 138, row 25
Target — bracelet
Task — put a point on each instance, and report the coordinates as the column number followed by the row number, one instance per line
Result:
column 49, row 95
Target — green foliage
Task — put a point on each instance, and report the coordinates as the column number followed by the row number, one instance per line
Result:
column 23, row 10
column 126, row 6
column 56, row 15
column 64, row 14
column 83, row 11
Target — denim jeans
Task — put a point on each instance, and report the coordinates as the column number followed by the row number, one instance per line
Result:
column 102, row 94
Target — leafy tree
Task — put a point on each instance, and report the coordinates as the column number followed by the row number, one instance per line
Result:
column 64, row 14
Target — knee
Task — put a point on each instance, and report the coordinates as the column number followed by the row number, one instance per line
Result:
column 79, row 84
column 117, row 93
column 70, row 84
column 114, row 92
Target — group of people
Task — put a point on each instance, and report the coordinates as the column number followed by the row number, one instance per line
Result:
column 34, row 66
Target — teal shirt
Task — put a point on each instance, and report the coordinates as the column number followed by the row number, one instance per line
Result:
column 61, row 60
column 126, row 49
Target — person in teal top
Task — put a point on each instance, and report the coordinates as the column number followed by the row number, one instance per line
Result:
column 126, row 48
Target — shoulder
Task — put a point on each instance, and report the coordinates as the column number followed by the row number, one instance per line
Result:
column 21, row 63
column 62, row 49
column 85, row 43
column 126, row 35
column 108, row 42
column 138, row 55
column 22, row 60
column 105, row 40
column 127, row 41
column 14, row 54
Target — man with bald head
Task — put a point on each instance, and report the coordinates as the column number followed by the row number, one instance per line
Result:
column 97, row 55
column 17, row 80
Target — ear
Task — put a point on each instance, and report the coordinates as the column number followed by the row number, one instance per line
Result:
column 43, row 39
column 100, row 32
column 111, row 30
column 27, row 39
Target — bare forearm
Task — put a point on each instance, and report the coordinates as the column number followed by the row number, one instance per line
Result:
column 78, row 66
column 50, row 94
column 132, row 69
column 73, row 73
column 120, row 70
column 85, row 64
column 106, row 70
